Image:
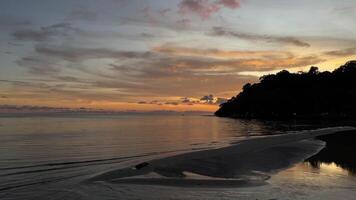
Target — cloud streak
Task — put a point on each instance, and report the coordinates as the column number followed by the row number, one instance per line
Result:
column 223, row 32
column 173, row 49
column 79, row 54
column 342, row 52
column 45, row 32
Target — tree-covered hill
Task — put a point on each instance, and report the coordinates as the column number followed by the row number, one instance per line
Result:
column 297, row 95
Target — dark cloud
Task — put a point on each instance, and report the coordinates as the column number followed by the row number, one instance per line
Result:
column 29, row 108
column 45, row 33
column 172, row 103
column 189, row 101
column 186, row 100
column 210, row 99
column 94, row 35
column 12, row 82
column 342, row 52
column 115, row 35
column 67, row 78
column 206, row 99
column 66, row 31
column 153, row 102
column 79, row 54
column 220, row 31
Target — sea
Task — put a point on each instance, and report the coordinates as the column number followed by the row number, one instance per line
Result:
column 54, row 157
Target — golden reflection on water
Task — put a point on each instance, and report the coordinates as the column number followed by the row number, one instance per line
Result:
column 307, row 175
column 331, row 168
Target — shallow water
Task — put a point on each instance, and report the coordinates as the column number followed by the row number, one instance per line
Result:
column 52, row 157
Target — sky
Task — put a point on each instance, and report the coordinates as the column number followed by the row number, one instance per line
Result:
column 149, row 55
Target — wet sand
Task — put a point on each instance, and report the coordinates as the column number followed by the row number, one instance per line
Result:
column 246, row 163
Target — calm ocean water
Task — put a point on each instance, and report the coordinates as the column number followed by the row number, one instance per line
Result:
column 50, row 157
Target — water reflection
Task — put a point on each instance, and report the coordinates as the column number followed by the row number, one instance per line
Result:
column 338, row 153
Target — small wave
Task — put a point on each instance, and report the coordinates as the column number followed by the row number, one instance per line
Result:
column 75, row 164
column 31, row 183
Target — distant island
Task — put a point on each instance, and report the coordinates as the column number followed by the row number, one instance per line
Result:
column 285, row 95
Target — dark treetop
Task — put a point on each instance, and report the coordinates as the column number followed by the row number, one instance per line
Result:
column 297, row 95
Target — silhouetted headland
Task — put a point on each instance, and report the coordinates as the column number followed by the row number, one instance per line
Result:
column 307, row 95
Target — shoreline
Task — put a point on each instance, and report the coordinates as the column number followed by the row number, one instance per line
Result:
column 243, row 163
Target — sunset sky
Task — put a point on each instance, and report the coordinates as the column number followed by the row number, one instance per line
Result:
column 146, row 55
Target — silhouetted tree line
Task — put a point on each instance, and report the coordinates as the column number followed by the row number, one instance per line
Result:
column 310, row 94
